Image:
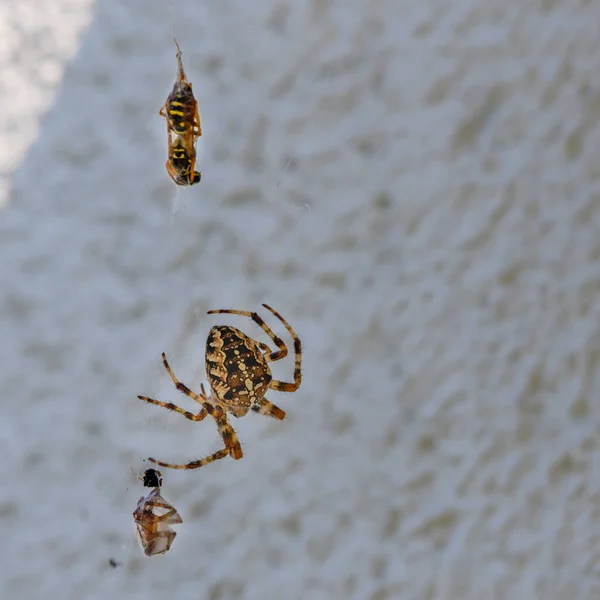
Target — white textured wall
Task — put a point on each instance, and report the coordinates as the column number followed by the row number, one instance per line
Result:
column 416, row 187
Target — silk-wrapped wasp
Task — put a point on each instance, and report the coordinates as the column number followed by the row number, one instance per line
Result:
column 183, row 128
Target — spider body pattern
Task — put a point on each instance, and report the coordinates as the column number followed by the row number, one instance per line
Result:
column 239, row 376
column 180, row 111
column 153, row 517
column 237, row 371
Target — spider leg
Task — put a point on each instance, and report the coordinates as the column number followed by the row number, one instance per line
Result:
column 283, row 386
column 188, row 415
column 271, row 356
column 287, row 386
column 230, row 438
column 263, row 347
column 195, row 464
column 264, row 407
column 184, row 389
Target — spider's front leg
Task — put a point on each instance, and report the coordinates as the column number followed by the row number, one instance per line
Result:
column 195, row 464
column 264, row 407
column 169, row 405
column 184, row 389
column 265, row 349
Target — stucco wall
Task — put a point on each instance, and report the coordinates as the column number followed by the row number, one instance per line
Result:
column 415, row 186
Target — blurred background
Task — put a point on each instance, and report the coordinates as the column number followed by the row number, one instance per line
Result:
column 415, row 186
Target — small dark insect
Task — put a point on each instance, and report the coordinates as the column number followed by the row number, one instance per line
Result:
column 153, row 517
column 238, row 372
column 114, row 564
column 183, row 128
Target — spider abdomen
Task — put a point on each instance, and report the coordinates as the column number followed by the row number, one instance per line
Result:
column 237, row 371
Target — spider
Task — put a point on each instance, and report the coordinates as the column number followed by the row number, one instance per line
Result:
column 238, row 372
column 180, row 111
column 152, row 517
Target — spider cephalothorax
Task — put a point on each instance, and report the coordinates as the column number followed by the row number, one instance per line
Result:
column 238, row 372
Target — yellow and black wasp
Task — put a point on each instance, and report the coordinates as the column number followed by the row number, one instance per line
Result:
column 181, row 162
column 183, row 128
